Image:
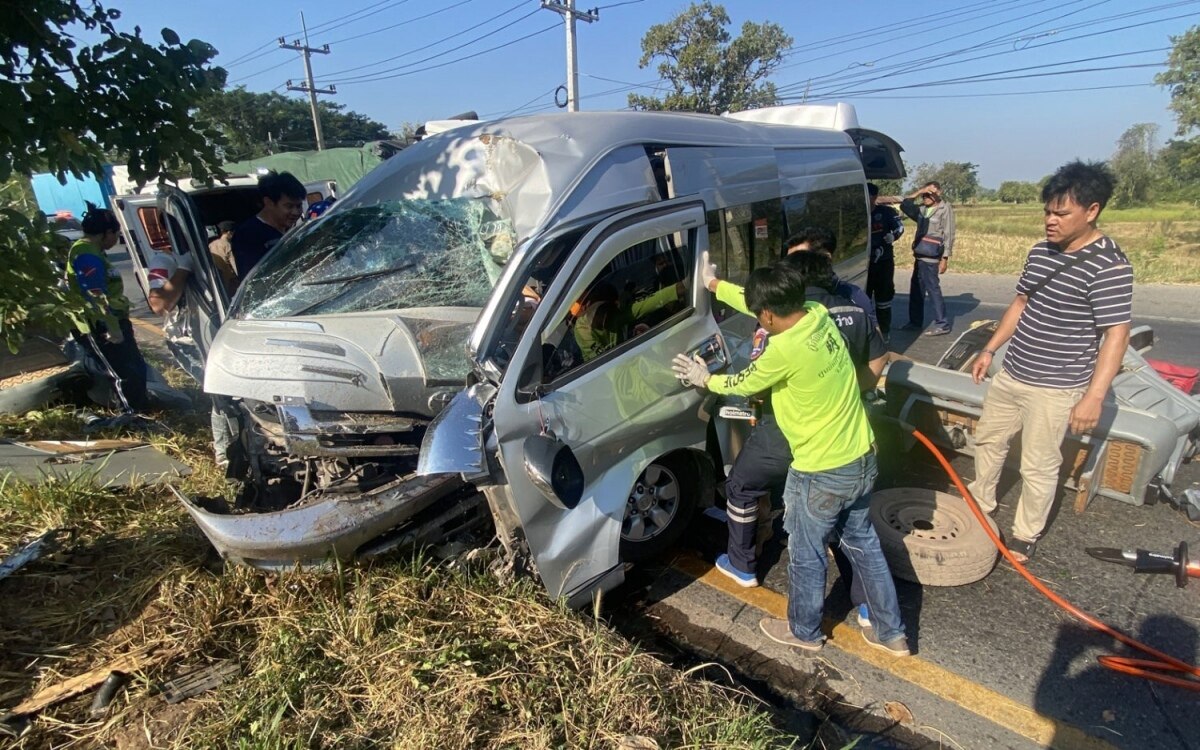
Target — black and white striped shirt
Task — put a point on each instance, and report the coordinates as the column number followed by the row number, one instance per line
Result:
column 1058, row 335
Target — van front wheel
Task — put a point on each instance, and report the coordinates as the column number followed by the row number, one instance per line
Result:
column 658, row 509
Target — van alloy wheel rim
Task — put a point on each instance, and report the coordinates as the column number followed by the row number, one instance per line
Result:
column 652, row 505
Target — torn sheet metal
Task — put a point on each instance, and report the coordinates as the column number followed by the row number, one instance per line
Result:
column 110, row 462
column 309, row 532
column 45, row 543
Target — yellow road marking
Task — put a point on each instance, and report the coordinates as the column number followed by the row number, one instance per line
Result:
column 148, row 327
column 952, row 687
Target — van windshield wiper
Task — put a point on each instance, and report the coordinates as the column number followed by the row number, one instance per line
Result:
column 360, row 276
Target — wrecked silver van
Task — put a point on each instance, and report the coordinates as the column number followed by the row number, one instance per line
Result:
column 493, row 311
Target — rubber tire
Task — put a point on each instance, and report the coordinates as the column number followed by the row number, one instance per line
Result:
column 30, row 377
column 684, row 471
column 954, row 551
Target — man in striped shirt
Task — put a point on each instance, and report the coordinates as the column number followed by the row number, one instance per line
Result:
column 1069, row 328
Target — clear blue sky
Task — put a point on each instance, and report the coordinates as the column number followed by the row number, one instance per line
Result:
column 839, row 48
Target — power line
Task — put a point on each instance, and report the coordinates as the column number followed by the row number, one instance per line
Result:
column 379, row 74
column 980, row 79
column 401, row 23
column 862, row 78
column 451, row 62
column 1011, row 93
column 433, row 43
column 260, row 72
column 907, row 66
column 340, row 20
column 1052, row 43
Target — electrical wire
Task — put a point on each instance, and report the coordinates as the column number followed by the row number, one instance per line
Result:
column 520, row 3
column 1050, row 43
column 401, row 23
column 1157, row 669
column 379, row 75
column 339, row 21
column 861, row 78
column 260, row 72
column 908, row 66
column 1010, row 93
column 997, row 77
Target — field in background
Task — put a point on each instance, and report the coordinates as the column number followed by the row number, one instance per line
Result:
column 1162, row 242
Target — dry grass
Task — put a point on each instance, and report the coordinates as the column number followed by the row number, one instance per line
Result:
column 1162, row 242
column 406, row 654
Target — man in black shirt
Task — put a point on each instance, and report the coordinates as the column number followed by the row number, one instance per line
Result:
column 282, row 197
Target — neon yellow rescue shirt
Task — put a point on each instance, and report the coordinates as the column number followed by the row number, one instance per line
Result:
column 814, row 389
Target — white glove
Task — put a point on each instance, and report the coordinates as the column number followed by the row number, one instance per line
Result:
column 708, row 271
column 185, row 263
column 690, row 370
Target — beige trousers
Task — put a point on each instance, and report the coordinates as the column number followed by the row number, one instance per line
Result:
column 1041, row 416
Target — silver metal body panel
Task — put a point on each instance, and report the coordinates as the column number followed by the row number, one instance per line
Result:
column 312, row 533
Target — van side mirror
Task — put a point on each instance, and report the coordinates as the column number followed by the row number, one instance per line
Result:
column 554, row 470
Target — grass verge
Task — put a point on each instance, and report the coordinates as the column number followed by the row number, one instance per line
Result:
column 406, row 653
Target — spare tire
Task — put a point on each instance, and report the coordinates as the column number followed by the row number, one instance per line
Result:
column 931, row 537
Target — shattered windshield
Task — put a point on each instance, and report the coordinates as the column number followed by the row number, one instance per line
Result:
column 392, row 255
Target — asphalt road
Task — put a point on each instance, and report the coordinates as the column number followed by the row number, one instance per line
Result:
column 997, row 640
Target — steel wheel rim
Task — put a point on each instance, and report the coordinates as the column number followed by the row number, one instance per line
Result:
column 652, row 505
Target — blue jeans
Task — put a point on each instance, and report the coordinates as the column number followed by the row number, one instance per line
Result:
column 926, row 280
column 816, row 506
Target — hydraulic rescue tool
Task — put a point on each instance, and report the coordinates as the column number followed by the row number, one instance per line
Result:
column 1143, row 561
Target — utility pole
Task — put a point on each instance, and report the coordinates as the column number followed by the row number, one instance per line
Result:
column 308, row 85
column 566, row 9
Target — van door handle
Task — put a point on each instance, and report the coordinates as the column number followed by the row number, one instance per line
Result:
column 712, row 351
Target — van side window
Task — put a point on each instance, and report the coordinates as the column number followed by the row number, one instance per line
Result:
column 842, row 210
column 152, row 224
column 639, row 290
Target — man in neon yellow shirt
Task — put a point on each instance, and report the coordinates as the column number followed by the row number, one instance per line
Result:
column 814, row 392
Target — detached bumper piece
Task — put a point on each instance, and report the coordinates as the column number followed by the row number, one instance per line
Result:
column 318, row 529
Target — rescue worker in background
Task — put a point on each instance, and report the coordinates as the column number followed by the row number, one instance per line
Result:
column 815, row 396
column 108, row 323
column 221, row 252
column 886, row 228
column 762, row 464
column 822, row 240
column 282, row 198
column 1068, row 329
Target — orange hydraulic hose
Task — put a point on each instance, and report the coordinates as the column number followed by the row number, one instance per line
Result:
column 1150, row 669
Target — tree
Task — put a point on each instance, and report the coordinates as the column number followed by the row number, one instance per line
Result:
column 1178, row 167
column 1182, row 76
column 708, row 71
column 1015, row 191
column 73, row 88
column 1133, row 165
column 256, row 124
column 959, row 179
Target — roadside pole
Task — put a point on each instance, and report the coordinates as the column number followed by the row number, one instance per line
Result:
column 566, row 9
column 308, row 85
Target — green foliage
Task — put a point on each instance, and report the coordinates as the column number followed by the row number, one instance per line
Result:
column 66, row 106
column 1015, row 191
column 1182, row 77
column 709, row 71
column 257, row 124
column 1179, row 171
column 959, row 179
column 1134, row 165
